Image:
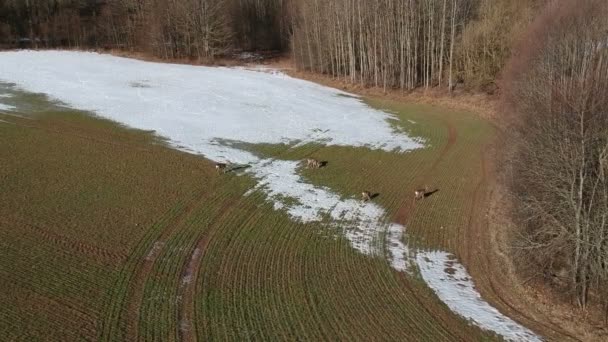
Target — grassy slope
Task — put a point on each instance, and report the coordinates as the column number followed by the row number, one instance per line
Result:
column 107, row 234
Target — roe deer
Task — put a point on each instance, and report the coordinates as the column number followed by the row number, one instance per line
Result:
column 366, row 196
column 420, row 193
column 221, row 167
column 312, row 163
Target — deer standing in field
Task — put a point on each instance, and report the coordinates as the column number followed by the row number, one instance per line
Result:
column 420, row 193
column 221, row 167
column 366, row 196
column 312, row 163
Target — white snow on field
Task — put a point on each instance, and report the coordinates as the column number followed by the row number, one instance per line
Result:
column 196, row 106
column 6, row 107
column 453, row 285
column 207, row 110
column 5, row 95
column 361, row 222
column 399, row 252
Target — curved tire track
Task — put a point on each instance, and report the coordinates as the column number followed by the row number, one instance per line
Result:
column 403, row 213
column 136, row 295
column 189, row 276
column 478, row 242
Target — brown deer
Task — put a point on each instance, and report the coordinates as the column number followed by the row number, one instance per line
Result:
column 420, row 193
column 221, row 167
column 366, row 196
column 312, row 163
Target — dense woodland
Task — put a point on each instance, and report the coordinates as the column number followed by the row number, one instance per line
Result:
column 555, row 85
column 389, row 43
column 408, row 44
column 165, row 28
column 556, row 91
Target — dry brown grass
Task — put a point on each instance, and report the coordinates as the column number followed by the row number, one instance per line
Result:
column 481, row 104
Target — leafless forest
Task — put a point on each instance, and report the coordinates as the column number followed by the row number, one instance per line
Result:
column 548, row 59
column 557, row 90
column 389, row 43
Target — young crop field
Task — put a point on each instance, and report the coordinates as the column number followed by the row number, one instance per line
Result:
column 110, row 233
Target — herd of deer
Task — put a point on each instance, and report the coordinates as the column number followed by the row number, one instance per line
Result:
column 315, row 164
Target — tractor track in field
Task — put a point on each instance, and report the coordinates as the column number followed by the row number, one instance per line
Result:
column 478, row 252
column 476, row 248
column 189, row 276
column 137, row 286
column 402, row 216
column 186, row 293
column 474, row 254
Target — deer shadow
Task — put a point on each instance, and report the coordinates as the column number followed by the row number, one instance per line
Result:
column 372, row 196
column 323, row 163
column 430, row 193
column 237, row 168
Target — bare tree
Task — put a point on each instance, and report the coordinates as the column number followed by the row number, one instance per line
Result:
column 559, row 91
column 384, row 43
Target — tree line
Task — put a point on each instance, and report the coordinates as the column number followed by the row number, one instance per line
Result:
column 556, row 90
column 164, row 28
column 408, row 43
column 387, row 43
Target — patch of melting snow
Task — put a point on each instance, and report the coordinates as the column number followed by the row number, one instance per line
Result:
column 156, row 247
column 398, row 251
column 16, row 115
column 6, row 107
column 199, row 109
column 185, row 325
column 6, row 95
column 187, row 278
column 361, row 222
column 453, row 285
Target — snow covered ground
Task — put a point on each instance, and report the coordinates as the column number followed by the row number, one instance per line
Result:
column 4, row 107
column 453, row 285
column 206, row 110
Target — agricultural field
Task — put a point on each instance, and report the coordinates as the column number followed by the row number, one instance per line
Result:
column 113, row 233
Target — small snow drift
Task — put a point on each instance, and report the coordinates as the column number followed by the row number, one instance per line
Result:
column 454, row 286
column 4, row 107
column 399, row 252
